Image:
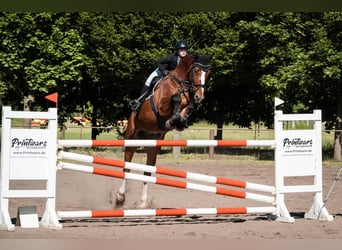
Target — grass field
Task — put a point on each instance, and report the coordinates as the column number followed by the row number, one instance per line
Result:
column 200, row 130
column 203, row 130
column 196, row 132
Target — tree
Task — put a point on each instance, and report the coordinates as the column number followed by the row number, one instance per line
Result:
column 37, row 53
column 97, row 62
column 322, row 67
column 248, row 52
column 120, row 47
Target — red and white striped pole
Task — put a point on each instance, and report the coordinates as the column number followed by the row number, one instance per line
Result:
column 165, row 171
column 167, row 182
column 164, row 143
column 163, row 212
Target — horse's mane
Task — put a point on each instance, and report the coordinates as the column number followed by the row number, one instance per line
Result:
column 185, row 64
column 193, row 58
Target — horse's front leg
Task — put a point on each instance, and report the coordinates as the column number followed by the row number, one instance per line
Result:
column 151, row 160
column 184, row 117
column 120, row 195
column 177, row 100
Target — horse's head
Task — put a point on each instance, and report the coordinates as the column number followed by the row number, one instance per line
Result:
column 199, row 74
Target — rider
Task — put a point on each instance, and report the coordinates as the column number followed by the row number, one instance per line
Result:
column 164, row 65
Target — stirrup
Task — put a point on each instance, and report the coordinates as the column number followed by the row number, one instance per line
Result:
column 134, row 105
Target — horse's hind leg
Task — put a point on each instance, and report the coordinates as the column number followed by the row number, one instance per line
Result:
column 120, row 195
column 151, row 160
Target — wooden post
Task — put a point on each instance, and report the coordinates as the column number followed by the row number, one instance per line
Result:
column 176, row 150
column 211, row 148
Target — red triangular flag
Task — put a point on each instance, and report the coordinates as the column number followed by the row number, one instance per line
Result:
column 52, row 97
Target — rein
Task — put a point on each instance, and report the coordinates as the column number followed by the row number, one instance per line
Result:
column 184, row 86
column 181, row 90
column 180, row 81
column 191, row 85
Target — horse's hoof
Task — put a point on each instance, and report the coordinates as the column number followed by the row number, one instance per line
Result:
column 180, row 127
column 142, row 205
column 168, row 124
column 182, row 124
column 120, row 198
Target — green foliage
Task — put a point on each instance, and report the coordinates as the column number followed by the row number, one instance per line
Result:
column 37, row 52
column 97, row 62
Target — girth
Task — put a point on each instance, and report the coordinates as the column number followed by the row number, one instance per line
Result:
column 161, row 121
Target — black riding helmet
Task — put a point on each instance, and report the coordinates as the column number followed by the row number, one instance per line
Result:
column 181, row 44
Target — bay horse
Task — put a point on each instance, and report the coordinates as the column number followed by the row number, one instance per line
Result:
column 168, row 107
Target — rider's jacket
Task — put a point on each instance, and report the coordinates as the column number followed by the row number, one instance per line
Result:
column 168, row 62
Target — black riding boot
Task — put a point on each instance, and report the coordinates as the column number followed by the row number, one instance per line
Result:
column 135, row 104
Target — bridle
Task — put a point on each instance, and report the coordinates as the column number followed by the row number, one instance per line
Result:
column 183, row 86
column 190, row 85
column 204, row 69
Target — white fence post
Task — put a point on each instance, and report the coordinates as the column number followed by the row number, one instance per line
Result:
column 299, row 153
column 28, row 154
